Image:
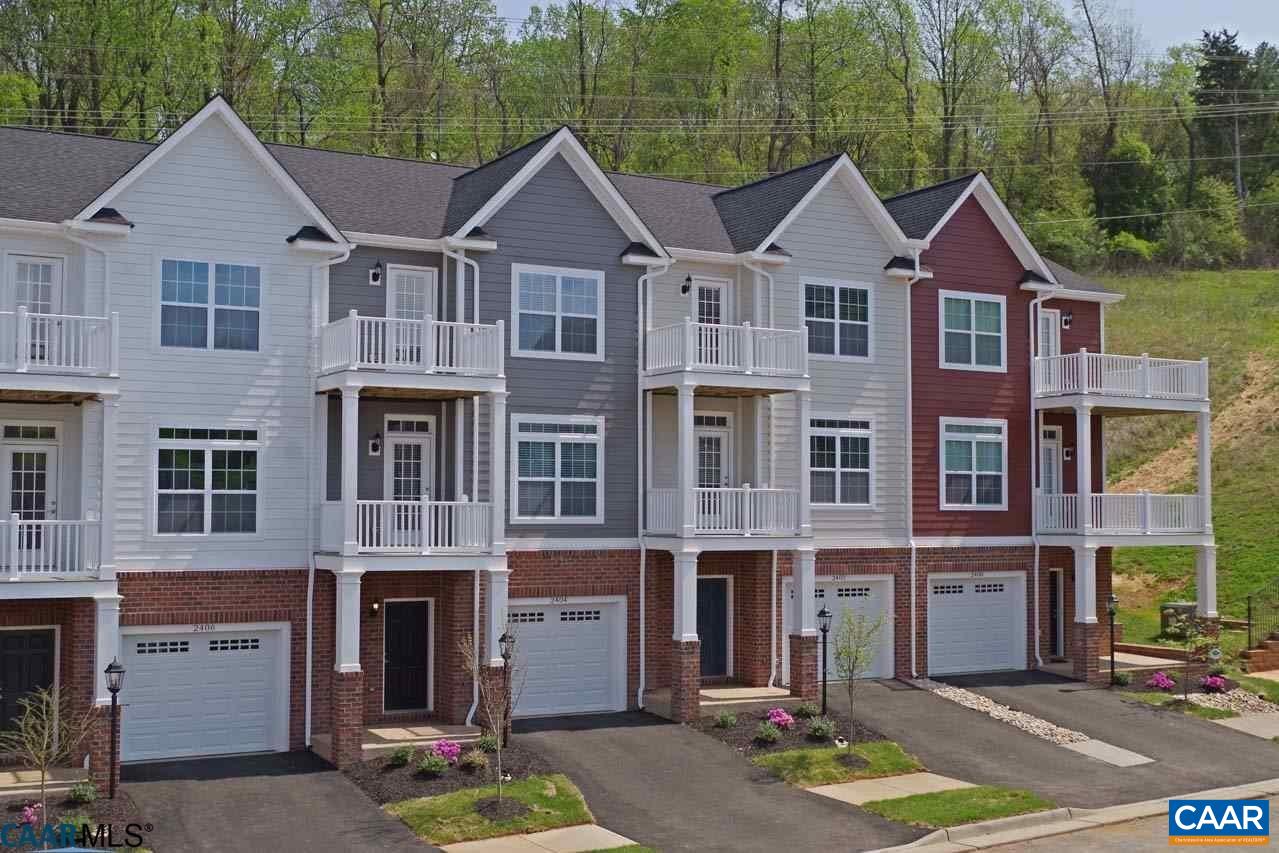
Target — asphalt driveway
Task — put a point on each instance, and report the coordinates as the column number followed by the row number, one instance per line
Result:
column 284, row 802
column 672, row 788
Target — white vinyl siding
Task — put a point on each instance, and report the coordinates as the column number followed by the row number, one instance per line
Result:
column 972, row 329
column 841, row 468
column 557, row 313
column 557, row 470
column 974, row 463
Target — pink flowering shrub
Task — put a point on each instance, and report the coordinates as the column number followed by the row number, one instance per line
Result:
column 781, row 719
column 1161, row 681
column 1213, row 684
column 31, row 814
column 448, row 750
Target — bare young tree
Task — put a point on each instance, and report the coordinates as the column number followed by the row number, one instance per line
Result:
column 497, row 698
column 856, row 643
column 48, row 732
column 1110, row 41
column 957, row 51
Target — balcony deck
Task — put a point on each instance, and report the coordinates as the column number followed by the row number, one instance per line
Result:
column 405, row 534
column 727, row 512
column 1143, row 517
column 1121, row 384
column 58, row 357
column 49, row 549
column 726, row 360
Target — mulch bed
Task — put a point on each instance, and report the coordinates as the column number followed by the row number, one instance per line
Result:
column 742, row 736
column 387, row 784
column 121, row 813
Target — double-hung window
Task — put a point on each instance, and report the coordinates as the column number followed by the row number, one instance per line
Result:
column 206, row 481
column 839, row 461
column 972, row 331
column 838, row 319
column 974, row 457
column 557, row 313
column 195, row 315
column 558, row 475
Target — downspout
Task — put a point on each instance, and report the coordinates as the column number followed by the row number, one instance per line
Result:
column 910, row 476
column 475, row 643
column 1034, row 461
column 641, row 506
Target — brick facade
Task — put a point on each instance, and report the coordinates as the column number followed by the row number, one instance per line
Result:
column 686, row 664
column 348, row 717
column 804, row 681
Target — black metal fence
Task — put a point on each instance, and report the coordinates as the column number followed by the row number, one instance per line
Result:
column 1263, row 613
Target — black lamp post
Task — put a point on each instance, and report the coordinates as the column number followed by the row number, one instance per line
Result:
column 508, row 651
column 1111, row 606
column 823, row 621
column 115, row 681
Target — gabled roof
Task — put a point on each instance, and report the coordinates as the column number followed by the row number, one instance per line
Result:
column 681, row 213
column 919, row 211
column 50, row 177
column 475, row 188
column 752, row 212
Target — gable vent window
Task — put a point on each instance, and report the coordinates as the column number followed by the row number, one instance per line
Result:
column 580, row 616
column 163, row 647
column 235, row 644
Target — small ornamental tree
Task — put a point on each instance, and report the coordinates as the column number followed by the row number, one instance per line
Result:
column 856, row 642
column 46, row 734
column 1191, row 630
column 498, row 698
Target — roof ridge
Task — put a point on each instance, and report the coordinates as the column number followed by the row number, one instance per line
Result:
column 391, row 157
column 667, row 180
column 75, row 135
column 768, row 178
column 515, row 151
column 948, row 181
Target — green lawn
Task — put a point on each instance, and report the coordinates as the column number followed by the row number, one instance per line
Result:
column 1264, row 686
column 821, row 766
column 1141, row 625
column 450, row 818
column 1172, row 701
column 960, row 806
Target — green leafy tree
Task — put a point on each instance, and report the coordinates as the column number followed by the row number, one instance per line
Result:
column 1211, row 236
column 1135, row 190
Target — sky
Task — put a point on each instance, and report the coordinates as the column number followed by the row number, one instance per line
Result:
column 1162, row 22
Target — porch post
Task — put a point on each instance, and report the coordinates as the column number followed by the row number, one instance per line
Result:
column 687, row 465
column 499, row 586
column 106, row 512
column 686, row 663
column 347, row 618
column 1206, row 581
column 1085, row 584
column 348, row 678
column 497, row 470
column 803, row 640
column 350, row 469
column 805, row 424
column 1083, row 466
column 106, row 642
column 1205, row 469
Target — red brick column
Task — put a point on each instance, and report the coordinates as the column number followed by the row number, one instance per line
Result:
column 686, row 680
column 348, row 717
column 98, row 745
column 803, row 667
column 1085, row 648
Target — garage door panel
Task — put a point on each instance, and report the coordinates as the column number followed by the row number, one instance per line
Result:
column 869, row 596
column 976, row 625
column 568, row 652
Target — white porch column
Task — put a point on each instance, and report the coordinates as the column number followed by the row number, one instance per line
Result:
column 106, row 642
column 497, row 469
column 459, row 449
column 1085, row 584
column 350, row 469
column 347, row 654
column 499, row 583
column 1206, row 580
column 685, row 596
column 1205, row 470
column 106, row 512
column 805, row 487
column 687, row 465
column 804, row 615
column 320, row 415
column 1083, row 466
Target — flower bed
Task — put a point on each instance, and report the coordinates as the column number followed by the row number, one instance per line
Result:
column 119, row 812
column 385, row 782
column 743, row 733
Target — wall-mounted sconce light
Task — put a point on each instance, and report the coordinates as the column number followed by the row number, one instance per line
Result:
column 1068, row 454
column 377, row 607
column 1066, row 318
column 375, row 274
column 688, row 284
column 375, row 444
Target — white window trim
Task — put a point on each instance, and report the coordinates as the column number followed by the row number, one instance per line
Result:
column 867, row 286
column 517, row 352
column 942, row 423
column 156, row 444
column 844, row 416
column 514, row 465
column 972, row 296
column 211, row 307
column 434, row 285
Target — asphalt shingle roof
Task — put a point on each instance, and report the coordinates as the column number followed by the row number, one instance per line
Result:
column 49, row 177
column 919, row 210
column 679, row 213
column 751, row 212
column 1067, row 277
column 473, row 189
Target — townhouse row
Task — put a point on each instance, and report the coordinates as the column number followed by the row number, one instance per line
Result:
column 282, row 427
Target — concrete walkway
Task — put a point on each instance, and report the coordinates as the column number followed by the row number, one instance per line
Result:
column 1258, row 725
column 568, row 839
column 889, row 787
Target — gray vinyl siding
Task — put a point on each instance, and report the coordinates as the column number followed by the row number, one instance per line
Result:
column 349, row 286
column 370, row 470
column 833, row 239
column 555, row 221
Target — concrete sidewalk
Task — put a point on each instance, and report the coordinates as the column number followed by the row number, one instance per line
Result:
column 567, row 839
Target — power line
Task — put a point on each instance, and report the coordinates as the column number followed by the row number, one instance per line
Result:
column 1154, row 214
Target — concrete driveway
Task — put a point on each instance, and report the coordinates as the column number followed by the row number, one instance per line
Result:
column 284, row 802
column 1190, row 754
column 672, row 788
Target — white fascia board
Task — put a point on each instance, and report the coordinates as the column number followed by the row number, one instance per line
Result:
column 394, row 241
column 471, row 245
column 321, row 246
column 897, row 272
column 999, row 214
column 566, row 144
column 216, row 107
column 853, row 180
column 702, row 256
column 30, row 225
column 644, row 261
column 1073, row 295
column 104, row 229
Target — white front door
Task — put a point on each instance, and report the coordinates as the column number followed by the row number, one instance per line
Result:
column 572, row 655
column 1049, row 332
column 37, row 285
column 32, row 494
column 1050, row 476
column 713, row 346
column 714, row 460
column 407, row 476
column 410, row 297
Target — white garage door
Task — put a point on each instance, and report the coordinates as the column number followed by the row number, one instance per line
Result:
column 868, row 596
column 976, row 624
column 208, row 693
column 573, row 657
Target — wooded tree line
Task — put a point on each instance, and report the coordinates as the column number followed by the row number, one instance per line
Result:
column 1091, row 136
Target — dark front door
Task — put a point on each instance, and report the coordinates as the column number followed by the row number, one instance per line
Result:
column 712, row 625
column 1054, row 616
column 407, row 666
column 26, row 664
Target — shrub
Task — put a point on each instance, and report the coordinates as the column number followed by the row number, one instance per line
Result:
column 1217, row 669
column 806, row 711
column 1161, row 681
column 780, row 718
column 473, row 760
column 487, row 742
column 402, row 755
column 1122, row 679
column 821, row 728
column 432, row 765
column 447, row 749
column 83, row 792
column 725, row 720
column 768, row 733
column 1213, row 684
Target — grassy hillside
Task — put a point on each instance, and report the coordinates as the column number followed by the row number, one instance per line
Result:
column 1232, row 318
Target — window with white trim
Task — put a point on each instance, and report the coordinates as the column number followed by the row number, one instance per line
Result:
column 839, row 461
column 558, row 475
column 557, row 313
column 206, row 481
column 974, row 463
column 972, row 331
column 186, row 302
column 838, row 319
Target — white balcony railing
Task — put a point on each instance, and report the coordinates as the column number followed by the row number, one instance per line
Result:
column 49, row 547
column 59, row 343
column 1086, row 372
column 726, row 349
column 423, row 527
column 411, row 346
column 727, row 512
column 1122, row 513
